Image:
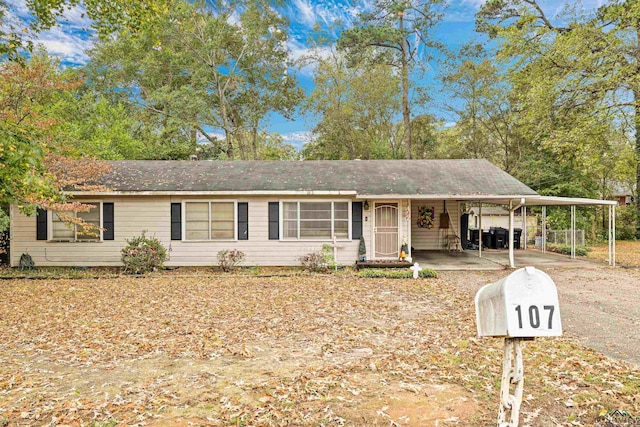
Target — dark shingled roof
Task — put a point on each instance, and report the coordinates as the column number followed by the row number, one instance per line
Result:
column 366, row 177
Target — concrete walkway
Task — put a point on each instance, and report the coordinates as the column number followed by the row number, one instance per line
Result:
column 495, row 259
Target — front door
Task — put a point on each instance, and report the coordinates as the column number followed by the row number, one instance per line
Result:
column 386, row 230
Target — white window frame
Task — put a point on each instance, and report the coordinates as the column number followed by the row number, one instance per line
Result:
column 75, row 239
column 184, row 220
column 327, row 239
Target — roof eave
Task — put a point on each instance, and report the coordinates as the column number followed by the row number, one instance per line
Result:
column 213, row 193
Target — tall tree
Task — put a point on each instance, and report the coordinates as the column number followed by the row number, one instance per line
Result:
column 396, row 32
column 356, row 108
column 586, row 65
column 481, row 100
column 35, row 162
column 200, row 72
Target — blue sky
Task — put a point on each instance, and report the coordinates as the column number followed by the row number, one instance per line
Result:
column 70, row 40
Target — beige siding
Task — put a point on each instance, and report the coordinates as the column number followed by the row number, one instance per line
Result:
column 153, row 213
column 433, row 238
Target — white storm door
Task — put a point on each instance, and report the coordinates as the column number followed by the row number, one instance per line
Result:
column 385, row 231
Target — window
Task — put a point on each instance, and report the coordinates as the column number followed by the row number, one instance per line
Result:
column 210, row 220
column 315, row 220
column 66, row 231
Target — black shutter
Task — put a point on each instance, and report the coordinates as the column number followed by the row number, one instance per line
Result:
column 356, row 220
column 107, row 221
column 274, row 220
column 41, row 224
column 243, row 221
column 176, row 221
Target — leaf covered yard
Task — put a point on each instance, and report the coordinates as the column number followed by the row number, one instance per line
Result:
column 301, row 350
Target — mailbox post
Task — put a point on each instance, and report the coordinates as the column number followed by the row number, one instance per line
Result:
column 522, row 306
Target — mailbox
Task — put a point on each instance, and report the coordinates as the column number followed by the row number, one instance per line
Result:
column 523, row 304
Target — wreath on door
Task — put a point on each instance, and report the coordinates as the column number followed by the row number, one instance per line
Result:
column 426, row 217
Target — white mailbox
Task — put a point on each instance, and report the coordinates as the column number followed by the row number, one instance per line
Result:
column 523, row 304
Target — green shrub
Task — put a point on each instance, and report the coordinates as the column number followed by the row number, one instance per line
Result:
column 566, row 249
column 228, row 260
column 395, row 273
column 626, row 222
column 143, row 254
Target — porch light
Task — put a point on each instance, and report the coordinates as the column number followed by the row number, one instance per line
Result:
column 366, row 205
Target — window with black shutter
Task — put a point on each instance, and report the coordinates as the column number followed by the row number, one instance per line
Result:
column 107, row 221
column 176, row 221
column 356, row 220
column 274, row 220
column 41, row 225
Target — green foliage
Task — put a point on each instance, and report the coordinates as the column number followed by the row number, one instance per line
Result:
column 357, row 108
column 626, row 220
column 197, row 72
column 107, row 16
column 395, row 33
column 107, row 130
column 228, row 260
column 395, row 273
column 327, row 255
column 578, row 96
column 566, row 249
column 34, row 150
column 143, row 254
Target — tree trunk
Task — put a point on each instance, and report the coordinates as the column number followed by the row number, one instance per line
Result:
column 406, row 113
column 254, row 141
column 636, row 122
column 636, row 119
column 228, row 131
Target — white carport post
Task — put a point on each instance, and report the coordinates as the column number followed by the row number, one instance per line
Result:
column 512, row 209
column 612, row 235
column 524, row 236
column 573, row 232
column 544, row 229
column 512, row 262
column 480, row 230
column 609, row 236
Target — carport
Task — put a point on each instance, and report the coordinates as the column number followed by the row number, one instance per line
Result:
column 544, row 201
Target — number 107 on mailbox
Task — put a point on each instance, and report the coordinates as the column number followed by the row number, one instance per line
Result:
column 523, row 304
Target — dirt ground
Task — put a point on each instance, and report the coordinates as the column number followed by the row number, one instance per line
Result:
column 282, row 351
column 627, row 253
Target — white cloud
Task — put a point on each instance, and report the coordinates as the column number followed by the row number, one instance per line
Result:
column 476, row 4
column 299, row 51
column 76, row 17
column 308, row 13
column 69, row 40
column 305, row 13
column 297, row 139
column 70, row 47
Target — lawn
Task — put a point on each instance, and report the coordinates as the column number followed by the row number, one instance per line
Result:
column 302, row 350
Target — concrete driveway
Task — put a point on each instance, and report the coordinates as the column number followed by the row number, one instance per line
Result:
column 599, row 304
column 495, row 259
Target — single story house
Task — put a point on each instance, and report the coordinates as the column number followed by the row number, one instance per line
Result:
column 273, row 211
